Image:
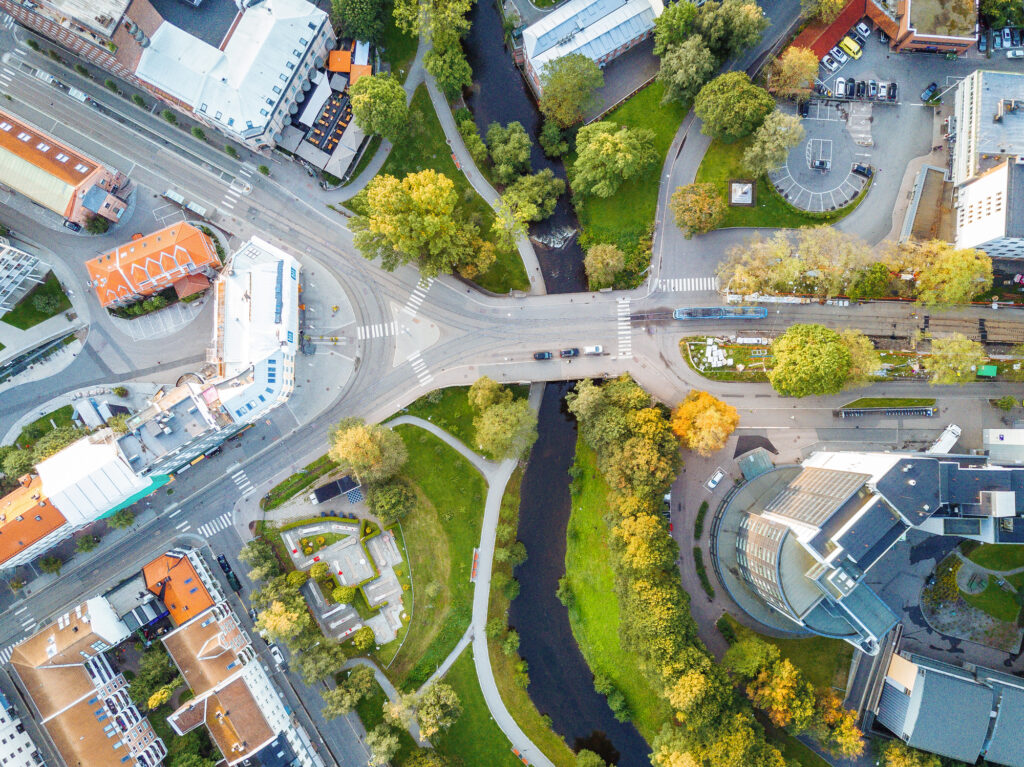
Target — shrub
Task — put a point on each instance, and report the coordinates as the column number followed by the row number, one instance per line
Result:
column 81, row 70
column 344, row 595
column 1007, row 403
column 726, row 630
column 46, row 303
column 54, row 55
column 698, row 525
column 110, row 84
column 198, row 133
column 945, row 588
column 702, row 573
column 264, row 170
column 231, row 151
column 168, row 115
column 33, row 44
column 139, row 101
column 121, row 391
column 51, row 565
column 96, row 225
column 86, row 543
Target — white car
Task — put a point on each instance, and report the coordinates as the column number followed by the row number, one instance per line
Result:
column 839, row 55
column 717, row 477
column 829, row 63
column 840, row 87
column 1016, row 53
column 275, row 653
column 1007, row 39
column 863, row 29
column 883, row 90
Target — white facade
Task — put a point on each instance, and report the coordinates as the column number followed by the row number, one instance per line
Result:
column 248, row 89
column 987, row 212
column 19, row 273
column 17, row 749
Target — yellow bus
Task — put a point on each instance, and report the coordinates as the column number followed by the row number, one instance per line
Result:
column 849, row 45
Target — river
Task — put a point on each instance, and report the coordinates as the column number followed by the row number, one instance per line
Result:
column 561, row 683
column 499, row 94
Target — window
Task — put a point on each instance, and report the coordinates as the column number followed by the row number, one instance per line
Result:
column 289, row 65
column 303, row 41
column 202, row 107
column 217, row 116
column 5, row 126
column 291, row 336
column 277, row 89
column 24, row 136
column 283, row 78
column 294, row 274
column 43, row 147
column 264, row 112
column 81, row 168
column 61, row 157
column 297, row 53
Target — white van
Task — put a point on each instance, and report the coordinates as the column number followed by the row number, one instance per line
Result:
column 593, row 349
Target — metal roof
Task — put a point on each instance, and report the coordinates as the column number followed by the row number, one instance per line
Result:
column 815, row 494
column 949, row 711
column 1005, row 745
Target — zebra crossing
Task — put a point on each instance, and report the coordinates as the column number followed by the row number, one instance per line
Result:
column 241, row 480
column 5, row 76
column 8, row 21
column 223, row 522
column 689, row 284
column 419, row 367
column 625, row 328
column 230, row 198
column 5, row 654
column 377, row 330
column 413, row 304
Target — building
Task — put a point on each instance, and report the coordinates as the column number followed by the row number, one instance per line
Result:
column 988, row 121
column 19, row 273
column 55, row 176
column 79, row 697
column 601, row 30
column 804, row 544
column 1004, row 446
column 17, row 749
column 990, row 211
column 182, row 581
column 178, row 256
column 29, row 523
column 960, row 713
column 926, row 25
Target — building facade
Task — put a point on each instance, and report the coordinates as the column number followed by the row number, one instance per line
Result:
column 19, row 273
column 990, row 211
column 17, row 749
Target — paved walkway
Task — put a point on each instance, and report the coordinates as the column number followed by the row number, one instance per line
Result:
column 989, row 571
column 389, row 690
column 448, row 662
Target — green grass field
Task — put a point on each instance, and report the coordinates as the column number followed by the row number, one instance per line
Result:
column 725, row 161
column 24, row 315
column 627, row 217
column 995, row 601
column 452, row 411
column 399, row 48
column 440, row 535
column 42, row 425
column 297, row 482
column 890, row 402
column 424, row 147
column 595, row 614
column 371, row 714
column 998, row 557
column 474, row 739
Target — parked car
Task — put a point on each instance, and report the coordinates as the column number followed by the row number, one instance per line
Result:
column 569, row 353
column 892, row 91
column 822, row 165
column 862, row 88
column 983, row 41
column 717, row 477
column 850, row 47
column 666, row 509
column 862, row 170
column 72, row 226
column 851, row 88
column 593, row 350
column 857, row 37
column 1015, row 54
column 839, row 55
column 1015, row 37
column 930, row 91
column 883, row 91
column 1007, row 37
column 233, row 581
column 863, row 30
column 804, row 108
column 872, row 89
column 275, row 653
column 829, row 63
column 542, row 355
column 253, row 614
column 997, row 41
column 223, row 562
column 841, row 88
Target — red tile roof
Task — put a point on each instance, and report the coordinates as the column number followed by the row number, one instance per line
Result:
column 821, row 38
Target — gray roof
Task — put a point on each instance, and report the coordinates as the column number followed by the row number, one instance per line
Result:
column 949, row 711
column 1005, row 746
column 94, row 198
column 870, row 615
column 893, row 707
column 815, row 494
column 877, row 525
column 1005, row 136
column 209, row 22
column 1015, row 201
column 912, row 487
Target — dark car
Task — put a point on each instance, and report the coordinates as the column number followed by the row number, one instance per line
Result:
column 253, row 614
column 857, row 37
column 851, row 88
column 223, row 562
column 821, row 165
column 1015, row 37
column 872, row 89
column 862, row 88
column 542, row 355
column 929, row 92
column 804, row 108
column 862, row 170
column 892, row 91
column 569, row 353
column 72, row 226
column 233, row 582
column 983, row 42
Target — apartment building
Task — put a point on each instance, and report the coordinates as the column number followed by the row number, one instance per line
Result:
column 17, row 749
column 19, row 273
column 57, row 177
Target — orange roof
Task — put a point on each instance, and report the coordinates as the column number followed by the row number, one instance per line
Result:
column 26, row 516
column 360, row 70
column 339, row 61
column 188, row 286
column 821, row 37
column 173, row 578
column 152, row 263
column 44, row 151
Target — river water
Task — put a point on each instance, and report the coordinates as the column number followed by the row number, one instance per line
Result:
column 561, row 683
column 500, row 95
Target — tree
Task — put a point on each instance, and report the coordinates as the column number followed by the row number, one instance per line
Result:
column 552, row 141
column 138, row 100
column 486, row 392
column 825, row 10
column 533, row 198
column 383, row 743
column 297, row 578
column 319, row 571
column 230, row 151
column 373, row 453
column 642, row 543
column 474, row 144
column 51, row 565
column 1001, row 13
column 586, row 758
column 748, row 657
column 391, row 501
column 674, row 26
column 191, row 760
column 344, row 595
column 685, row 68
column 794, row 72
column 96, row 225
column 402, row 710
column 732, row 107
column 510, row 150
column 363, row 639
column 506, row 430
column 771, row 144
column 260, row 559
column 198, row 133
column 119, row 423
column 608, row 154
column 416, row 220
column 568, row 88
column 378, row 106
column 784, row 695
column 1007, row 403
column 359, row 19
column 121, row 519
column 700, row 693
column 426, row 757
column 283, row 621
column 945, row 274
column 155, row 671
column 698, row 208
column 602, row 263
column 730, row 27
column 169, row 116
column 18, row 463
column 896, row 753
column 320, row 661
column 86, row 543
column 836, row 727
column 339, row 701
column 865, row 361
column 872, row 282
column 703, row 422
column 439, row 708
column 954, row 360
column 54, row 441
column 360, row 680
column 47, row 303
column 449, row 67
column 159, row 697
column 809, row 360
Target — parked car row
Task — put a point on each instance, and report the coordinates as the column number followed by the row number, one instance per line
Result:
column 568, row 353
column 848, row 88
column 850, row 47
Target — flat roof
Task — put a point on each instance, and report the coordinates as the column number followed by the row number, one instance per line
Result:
column 235, row 721
column 947, row 18
column 26, row 516
column 98, row 15
column 815, row 494
column 174, row 579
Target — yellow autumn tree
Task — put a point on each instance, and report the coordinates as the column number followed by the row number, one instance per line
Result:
column 703, row 422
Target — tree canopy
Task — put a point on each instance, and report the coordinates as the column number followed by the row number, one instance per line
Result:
column 732, row 107
column 698, row 208
column 703, row 422
column 378, row 106
column 359, row 19
column 825, row 10
column 608, row 154
column 510, row 151
column 449, row 67
column 674, row 26
column 533, row 197
column 794, row 72
column 809, row 360
column 569, row 85
column 373, row 453
column 438, row 709
column 954, row 359
column 504, row 427
column 945, row 274
column 602, row 263
column 686, row 67
column 772, row 141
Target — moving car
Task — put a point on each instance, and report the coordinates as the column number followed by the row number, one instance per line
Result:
column 542, row 355
column 930, row 91
column 841, row 88
column 1015, row 54
column 717, row 477
column 593, row 349
column 862, row 170
column 829, row 63
column 850, row 46
column 839, row 55
column 569, row 353
column 863, row 29
column 872, row 89
column 223, row 562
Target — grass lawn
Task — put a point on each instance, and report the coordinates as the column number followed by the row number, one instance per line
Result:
column 452, row 412
column 515, row 697
column 1000, row 604
column 996, row 556
column 24, row 315
column 890, row 402
column 399, row 49
column 627, row 217
column 474, row 739
column 725, row 161
column 297, row 482
column 424, row 147
column 371, row 713
column 689, row 348
column 823, row 662
column 440, row 534
column 33, row 431
column 595, row 615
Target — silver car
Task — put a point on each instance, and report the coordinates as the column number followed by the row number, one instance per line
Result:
column 839, row 55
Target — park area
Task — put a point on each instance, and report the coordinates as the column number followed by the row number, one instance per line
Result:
column 42, row 302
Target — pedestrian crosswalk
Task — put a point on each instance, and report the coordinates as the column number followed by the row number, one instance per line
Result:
column 625, row 328
column 419, row 367
column 689, row 284
column 246, row 171
column 413, row 304
column 241, row 479
column 5, row 654
column 378, row 330
column 223, row 522
column 230, row 198
column 8, row 21
column 5, row 76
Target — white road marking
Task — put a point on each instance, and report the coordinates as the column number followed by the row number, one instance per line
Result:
column 377, row 330
column 419, row 367
column 625, row 328
column 215, row 525
column 689, row 284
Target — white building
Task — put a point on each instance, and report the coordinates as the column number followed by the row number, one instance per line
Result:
column 601, row 30
column 988, row 119
column 990, row 211
column 19, row 273
column 17, row 748
column 248, row 87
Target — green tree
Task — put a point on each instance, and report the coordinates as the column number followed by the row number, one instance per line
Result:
column 47, row 303
column 896, row 753
column 18, row 463
column 359, row 19
column 363, row 639
column 1007, row 403
column 344, row 595
column 156, row 670
column 685, row 68
column 54, row 441
column 608, row 154
column 954, row 360
column 1002, row 13
column 191, row 760
column 533, row 197
column 339, row 701
column 510, row 151
column 730, row 27
column 784, row 695
column 259, row 557
column 139, row 101
column 230, row 151
column 794, row 72
column 319, row 571
column 109, row 84
column 772, row 141
column 945, row 274
column 474, row 144
column 378, row 106
column 642, row 545
column 426, row 757
column 674, row 26
column 569, row 86
column 321, row 661
column 96, row 225
column 748, row 657
column 439, row 708
column 872, row 282
column 700, row 693
column 284, row 620
column 119, row 423
column 449, row 67
column 485, row 392
column 698, row 208
column 586, row 758
column 169, row 116
column 390, row 501
column 86, row 543
column 383, row 743
column 121, row 519
column 297, row 578
column 198, row 133
column 263, row 169
column 809, row 360
column 865, row 360
column 824, row 10
column 373, row 453
column 552, row 140
column 602, row 263
column 506, row 430
column 732, row 107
